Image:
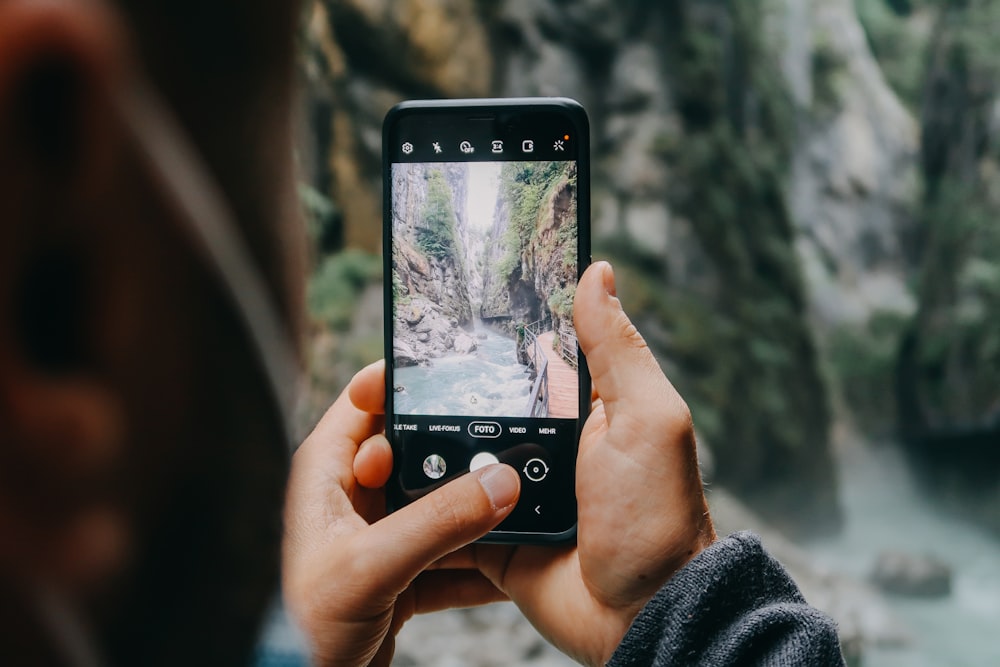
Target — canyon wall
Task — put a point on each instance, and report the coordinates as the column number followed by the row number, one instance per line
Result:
column 430, row 288
column 767, row 178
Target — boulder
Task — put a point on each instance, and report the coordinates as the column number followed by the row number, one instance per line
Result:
column 403, row 355
column 465, row 344
column 912, row 575
column 863, row 615
column 413, row 314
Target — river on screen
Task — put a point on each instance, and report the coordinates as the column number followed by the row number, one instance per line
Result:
column 489, row 382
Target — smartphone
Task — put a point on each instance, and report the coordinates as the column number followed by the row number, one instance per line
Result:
column 486, row 233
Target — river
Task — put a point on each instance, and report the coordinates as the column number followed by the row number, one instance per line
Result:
column 885, row 509
column 489, row 382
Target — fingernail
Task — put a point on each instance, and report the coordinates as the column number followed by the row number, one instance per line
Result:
column 608, row 274
column 501, row 485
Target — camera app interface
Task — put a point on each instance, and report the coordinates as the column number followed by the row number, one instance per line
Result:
column 484, row 274
column 484, row 365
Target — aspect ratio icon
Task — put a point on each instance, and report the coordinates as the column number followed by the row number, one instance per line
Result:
column 466, row 148
column 407, row 147
column 498, row 146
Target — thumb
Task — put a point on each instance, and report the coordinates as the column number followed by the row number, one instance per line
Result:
column 409, row 540
column 621, row 364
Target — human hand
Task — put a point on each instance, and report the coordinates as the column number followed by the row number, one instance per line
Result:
column 351, row 575
column 642, row 511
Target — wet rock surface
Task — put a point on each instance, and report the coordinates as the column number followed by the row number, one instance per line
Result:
column 493, row 636
column 913, row 575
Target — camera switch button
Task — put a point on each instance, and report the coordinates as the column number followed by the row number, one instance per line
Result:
column 536, row 470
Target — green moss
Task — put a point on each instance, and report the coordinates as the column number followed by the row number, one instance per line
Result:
column 561, row 303
column 898, row 44
column 525, row 186
column 400, row 294
column 828, row 70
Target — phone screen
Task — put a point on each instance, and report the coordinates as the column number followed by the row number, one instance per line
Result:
column 484, row 247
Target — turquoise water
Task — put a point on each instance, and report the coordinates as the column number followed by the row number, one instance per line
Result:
column 886, row 510
column 488, row 382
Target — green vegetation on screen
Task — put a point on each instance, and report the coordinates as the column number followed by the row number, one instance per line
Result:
column 526, row 187
column 436, row 236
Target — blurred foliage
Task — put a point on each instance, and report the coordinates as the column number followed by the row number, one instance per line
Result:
column 958, row 352
column 745, row 355
column 334, row 288
column 954, row 361
column 322, row 219
column 828, row 68
column 862, row 361
column 900, row 49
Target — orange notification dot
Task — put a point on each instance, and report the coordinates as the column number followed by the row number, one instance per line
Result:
column 566, row 137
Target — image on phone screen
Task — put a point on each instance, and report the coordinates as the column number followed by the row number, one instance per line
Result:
column 483, row 257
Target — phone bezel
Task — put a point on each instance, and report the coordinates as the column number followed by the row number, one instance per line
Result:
column 577, row 117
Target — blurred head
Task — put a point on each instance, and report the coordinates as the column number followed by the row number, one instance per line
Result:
column 142, row 459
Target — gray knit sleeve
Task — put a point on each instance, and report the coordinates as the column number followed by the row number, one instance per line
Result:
column 733, row 604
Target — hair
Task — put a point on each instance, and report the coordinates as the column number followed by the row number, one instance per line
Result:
column 226, row 67
column 208, row 563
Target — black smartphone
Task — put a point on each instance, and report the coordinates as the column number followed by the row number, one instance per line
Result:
column 486, row 233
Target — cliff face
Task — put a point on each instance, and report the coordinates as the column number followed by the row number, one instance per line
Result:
column 854, row 177
column 530, row 266
column 756, row 178
column 430, row 276
column 948, row 371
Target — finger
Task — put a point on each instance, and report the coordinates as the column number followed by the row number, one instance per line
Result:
column 373, row 463
column 623, row 368
column 411, row 539
column 462, row 559
column 331, row 447
column 322, row 483
column 454, row 589
column 437, row 591
column 367, row 388
column 385, row 652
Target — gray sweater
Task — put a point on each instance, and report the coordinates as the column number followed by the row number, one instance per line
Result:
column 733, row 604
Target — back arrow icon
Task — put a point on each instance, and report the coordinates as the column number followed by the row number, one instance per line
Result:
column 538, row 510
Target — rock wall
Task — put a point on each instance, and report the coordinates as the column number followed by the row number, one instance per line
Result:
column 754, row 179
column 854, row 178
column 430, row 287
column 530, row 265
column 948, row 374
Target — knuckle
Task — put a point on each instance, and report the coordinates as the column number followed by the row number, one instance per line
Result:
column 627, row 332
column 447, row 512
